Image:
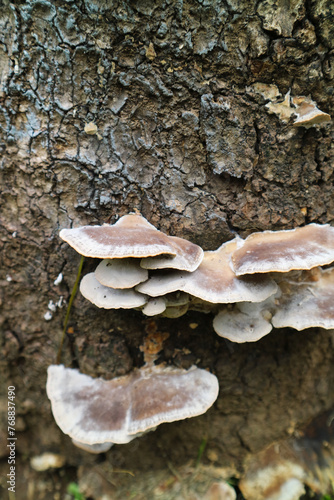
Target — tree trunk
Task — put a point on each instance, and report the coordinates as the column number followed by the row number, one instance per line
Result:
column 183, row 135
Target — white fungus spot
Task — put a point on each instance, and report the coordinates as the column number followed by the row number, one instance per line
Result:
column 47, row 316
column 60, row 302
column 59, row 279
column 52, row 306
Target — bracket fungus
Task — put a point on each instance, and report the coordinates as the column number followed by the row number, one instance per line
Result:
column 305, row 299
column 154, row 306
column 132, row 236
column 188, row 257
column 93, row 410
column 308, row 114
column 282, row 251
column 109, row 298
column 213, row 281
column 305, row 304
column 246, row 322
column 120, row 273
column 306, row 111
column 159, row 274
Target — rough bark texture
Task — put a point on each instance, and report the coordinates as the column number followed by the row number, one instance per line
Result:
column 183, row 137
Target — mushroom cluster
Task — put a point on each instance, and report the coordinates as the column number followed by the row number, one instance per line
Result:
column 130, row 249
column 270, row 279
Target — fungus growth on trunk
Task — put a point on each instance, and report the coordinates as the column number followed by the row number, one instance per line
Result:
column 171, row 276
column 97, row 413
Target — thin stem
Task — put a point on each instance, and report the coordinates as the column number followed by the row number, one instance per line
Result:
column 73, row 294
column 201, row 451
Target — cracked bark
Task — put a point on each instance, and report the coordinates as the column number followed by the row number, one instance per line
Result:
column 184, row 139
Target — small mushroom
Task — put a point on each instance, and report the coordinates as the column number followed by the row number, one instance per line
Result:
column 246, row 321
column 177, row 299
column 175, row 311
column 282, row 251
column 120, row 273
column 213, row 281
column 172, row 305
column 109, row 298
column 93, row 410
column 177, row 304
column 154, row 306
column 307, row 113
column 305, row 304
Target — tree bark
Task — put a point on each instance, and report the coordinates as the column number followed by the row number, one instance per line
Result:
column 184, row 137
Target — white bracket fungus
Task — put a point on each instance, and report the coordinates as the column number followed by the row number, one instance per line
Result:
column 282, row 251
column 188, row 257
column 141, row 261
column 131, row 236
column 93, row 410
column 120, row 273
column 306, row 111
column 154, row 306
column 304, row 300
column 246, row 322
column 109, row 298
column 306, row 304
column 213, row 281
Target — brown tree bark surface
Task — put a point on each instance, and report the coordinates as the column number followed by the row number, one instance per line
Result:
column 183, row 136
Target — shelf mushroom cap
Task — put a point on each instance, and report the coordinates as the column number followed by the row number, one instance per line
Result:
column 213, row 281
column 308, row 114
column 109, row 298
column 246, row 322
column 282, row 251
column 120, row 273
column 308, row 304
column 188, row 257
column 131, row 236
column 154, row 306
column 93, row 410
